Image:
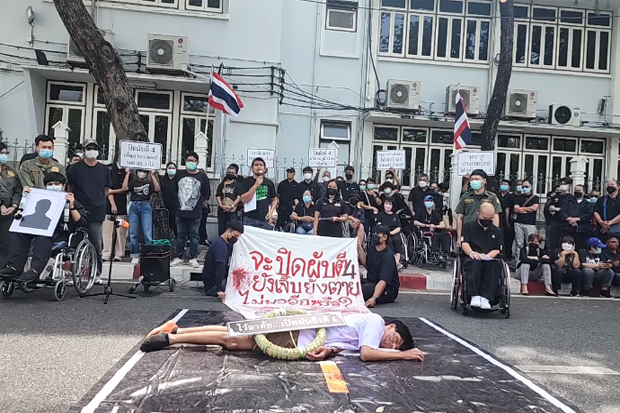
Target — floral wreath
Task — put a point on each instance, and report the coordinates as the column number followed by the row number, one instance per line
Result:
column 282, row 353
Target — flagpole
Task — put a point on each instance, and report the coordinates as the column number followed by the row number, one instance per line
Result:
column 455, row 179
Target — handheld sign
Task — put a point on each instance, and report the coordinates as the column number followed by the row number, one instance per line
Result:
column 391, row 159
column 42, row 210
column 266, row 154
column 284, row 323
column 468, row 161
column 322, row 157
column 140, row 155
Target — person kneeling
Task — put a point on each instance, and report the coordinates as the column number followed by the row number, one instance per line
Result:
column 534, row 264
column 217, row 260
column 381, row 284
column 42, row 246
column 482, row 242
column 366, row 333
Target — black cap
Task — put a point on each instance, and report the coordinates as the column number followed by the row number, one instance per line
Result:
column 307, row 169
column 290, row 170
column 349, row 168
column 478, row 172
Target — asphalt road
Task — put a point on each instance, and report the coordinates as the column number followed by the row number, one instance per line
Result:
column 51, row 353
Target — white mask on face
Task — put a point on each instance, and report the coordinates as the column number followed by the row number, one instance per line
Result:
column 307, row 176
column 423, row 184
column 141, row 175
column 92, row 154
column 326, row 179
column 567, row 246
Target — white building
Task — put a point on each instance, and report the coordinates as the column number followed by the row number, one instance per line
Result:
column 336, row 56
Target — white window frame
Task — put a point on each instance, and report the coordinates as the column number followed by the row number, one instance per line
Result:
column 153, row 3
column 205, row 7
column 328, row 26
column 566, row 138
column 65, row 102
column 478, row 22
column 155, row 92
column 543, row 46
column 390, row 51
column 421, row 17
column 208, row 116
column 597, row 50
column 450, row 33
column 66, row 106
column 336, row 139
column 152, row 113
column 569, row 60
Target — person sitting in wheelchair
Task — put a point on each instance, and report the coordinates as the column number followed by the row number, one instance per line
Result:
column 357, row 219
column 72, row 218
column 482, row 243
column 390, row 219
column 434, row 224
column 303, row 215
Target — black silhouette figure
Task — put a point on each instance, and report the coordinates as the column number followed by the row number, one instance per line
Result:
column 38, row 220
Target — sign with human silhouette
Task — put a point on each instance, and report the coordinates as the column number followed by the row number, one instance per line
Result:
column 41, row 213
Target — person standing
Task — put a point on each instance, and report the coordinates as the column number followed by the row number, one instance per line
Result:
column 193, row 189
column 524, row 208
column 140, row 211
column 579, row 219
column 327, row 176
column 554, row 207
column 417, row 195
column 32, row 171
column 89, row 181
column 169, row 195
column 607, row 211
column 228, row 196
column 10, row 195
column 287, row 191
column 330, row 213
column 259, row 197
column 116, row 208
column 505, row 197
column 308, row 184
column 370, row 202
column 348, row 187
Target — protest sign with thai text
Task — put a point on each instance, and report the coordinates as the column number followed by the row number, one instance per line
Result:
column 391, row 159
column 266, row 154
column 140, row 155
column 324, row 157
column 469, row 161
column 286, row 323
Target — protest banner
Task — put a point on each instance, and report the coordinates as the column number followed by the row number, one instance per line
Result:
column 272, row 270
column 391, row 159
column 468, row 161
column 42, row 210
column 140, row 155
column 284, row 323
column 324, row 157
column 266, row 154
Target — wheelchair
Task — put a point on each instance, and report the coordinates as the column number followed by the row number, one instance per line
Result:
column 459, row 299
column 423, row 253
column 74, row 261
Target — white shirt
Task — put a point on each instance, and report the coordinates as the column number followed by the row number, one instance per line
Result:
column 361, row 330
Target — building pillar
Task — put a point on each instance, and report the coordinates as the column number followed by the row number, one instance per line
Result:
column 61, row 142
column 578, row 170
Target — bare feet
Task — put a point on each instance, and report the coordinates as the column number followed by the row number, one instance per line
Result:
column 524, row 290
column 167, row 327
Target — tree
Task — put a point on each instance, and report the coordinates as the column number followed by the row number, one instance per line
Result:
column 106, row 68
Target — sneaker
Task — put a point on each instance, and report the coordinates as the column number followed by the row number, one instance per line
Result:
column 105, row 259
column 399, row 266
column 194, row 263
column 176, row 262
column 118, row 259
column 69, row 282
column 135, row 261
column 98, row 280
column 574, row 293
column 606, row 293
column 476, row 301
column 485, row 304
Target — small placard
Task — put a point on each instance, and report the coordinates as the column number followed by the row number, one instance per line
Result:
column 285, row 323
column 140, row 155
column 391, row 159
column 468, row 161
column 266, row 154
column 322, row 157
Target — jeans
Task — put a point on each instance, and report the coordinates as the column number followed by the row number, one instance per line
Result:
column 95, row 237
column 591, row 277
column 567, row 275
column 140, row 216
column 257, row 224
column 188, row 228
column 522, row 232
column 223, row 218
column 526, row 275
column 302, row 231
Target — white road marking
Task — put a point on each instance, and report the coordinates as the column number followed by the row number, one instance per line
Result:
column 567, row 370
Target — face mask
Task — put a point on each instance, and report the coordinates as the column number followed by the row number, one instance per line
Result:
column 141, row 175
column 331, row 191
column 475, row 185
column 307, row 199
column 172, row 172
column 371, row 186
column 567, row 247
column 563, row 188
column 191, row 165
column 390, row 180
column 231, row 177
column 80, row 154
column 349, row 176
column 527, row 189
column 519, row 188
column 611, row 189
column 485, row 222
column 55, row 188
column 388, row 191
column 375, row 240
column 46, row 153
column 578, row 194
column 326, row 179
column 596, row 250
column 504, row 188
column 593, row 200
column 307, row 177
column 422, row 184
column 353, row 204
column 92, row 154
column 387, row 207
column 4, row 158
column 232, row 240
column 533, row 246
column 429, row 205
column 362, row 187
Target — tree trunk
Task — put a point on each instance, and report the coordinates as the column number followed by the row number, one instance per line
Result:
column 106, row 68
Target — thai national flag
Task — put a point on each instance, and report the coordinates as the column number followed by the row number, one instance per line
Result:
column 223, row 97
column 462, row 132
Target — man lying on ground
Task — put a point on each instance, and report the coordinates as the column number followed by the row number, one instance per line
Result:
column 366, row 333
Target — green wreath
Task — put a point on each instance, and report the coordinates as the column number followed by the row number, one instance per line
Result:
column 282, row 353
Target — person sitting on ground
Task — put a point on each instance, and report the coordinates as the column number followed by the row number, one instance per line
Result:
column 430, row 220
column 366, row 333
column 534, row 264
column 381, row 284
column 303, row 215
column 357, row 219
column 42, row 246
column 567, row 266
column 217, row 260
column 482, row 243
column 389, row 218
column 596, row 271
column 611, row 254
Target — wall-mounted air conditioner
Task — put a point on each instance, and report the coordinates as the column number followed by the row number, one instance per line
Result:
column 74, row 56
column 564, row 115
column 521, row 103
column 403, row 94
column 470, row 95
column 167, row 53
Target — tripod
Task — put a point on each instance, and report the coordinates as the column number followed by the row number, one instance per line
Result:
column 107, row 289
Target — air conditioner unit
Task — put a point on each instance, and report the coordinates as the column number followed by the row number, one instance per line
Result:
column 470, row 95
column 403, row 94
column 521, row 103
column 74, row 56
column 564, row 115
column 167, row 53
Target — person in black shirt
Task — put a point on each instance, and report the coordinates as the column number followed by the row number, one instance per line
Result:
column 596, row 271
column 579, row 214
column 303, row 215
column 116, row 208
column 607, row 211
column 287, row 194
column 217, row 260
column 357, row 219
column 308, row 184
column 390, row 219
column 417, row 195
column 228, row 196
column 370, row 202
column 330, row 213
column 611, row 254
column 381, row 284
column 557, row 215
column 567, row 266
column 505, row 223
column 534, row 264
column 140, row 211
column 482, row 243
column 348, row 187
column 259, row 197
column 430, row 220
column 524, row 209
column 168, row 192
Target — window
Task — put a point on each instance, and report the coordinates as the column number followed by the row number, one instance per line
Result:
column 560, row 38
column 341, row 15
column 212, row 6
column 453, row 30
column 338, row 133
column 204, row 5
column 102, row 130
column 156, row 114
column 196, row 116
column 66, row 103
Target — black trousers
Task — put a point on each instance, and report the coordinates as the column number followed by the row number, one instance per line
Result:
column 284, row 216
column 368, row 290
column 441, row 242
column 5, row 239
column 20, row 248
column 554, row 237
column 203, row 226
column 172, row 218
column 483, row 278
column 509, row 237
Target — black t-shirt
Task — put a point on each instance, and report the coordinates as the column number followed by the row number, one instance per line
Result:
column 348, row 189
column 327, row 209
column 117, row 176
column 610, row 256
column 480, row 240
column 264, row 195
column 192, row 190
column 230, row 191
column 302, row 211
column 524, row 200
column 140, row 190
column 89, row 184
column 168, row 191
column 431, row 219
column 369, row 200
column 312, row 186
column 381, row 266
column 66, row 225
column 608, row 208
column 417, row 196
column 589, row 257
column 391, row 220
column 287, row 192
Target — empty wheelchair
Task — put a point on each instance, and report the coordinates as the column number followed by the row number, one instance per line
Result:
column 73, row 262
column 460, row 300
column 424, row 253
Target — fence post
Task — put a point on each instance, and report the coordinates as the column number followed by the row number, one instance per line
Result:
column 578, row 170
column 61, row 141
column 201, row 145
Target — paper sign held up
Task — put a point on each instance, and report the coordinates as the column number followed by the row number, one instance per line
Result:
column 468, row 161
column 140, row 155
column 322, row 157
column 391, row 159
column 266, row 154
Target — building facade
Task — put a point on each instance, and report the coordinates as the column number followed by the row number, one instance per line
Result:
column 330, row 73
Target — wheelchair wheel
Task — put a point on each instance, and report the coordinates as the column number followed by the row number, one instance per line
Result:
column 84, row 267
column 454, row 292
column 172, row 284
column 412, row 247
column 7, row 288
column 504, row 302
column 60, row 290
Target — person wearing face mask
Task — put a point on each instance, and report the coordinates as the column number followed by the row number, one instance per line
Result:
column 22, row 244
column 579, row 217
column 168, row 183
column 308, row 184
column 505, row 220
column 10, row 195
column 303, row 215
column 228, row 197
column 381, row 284
column 90, row 181
column 390, row 219
column 554, row 208
column 217, row 260
column 469, row 205
column 417, row 195
column 330, row 212
column 116, row 208
column 596, row 270
column 327, row 176
column 432, row 221
column 369, row 202
column 32, row 171
column 482, row 243
column 287, row 194
column 524, row 207
column 348, row 187
column 357, row 219
column 534, row 264
column 611, row 254
column 567, row 268
column 392, row 177
column 607, row 211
